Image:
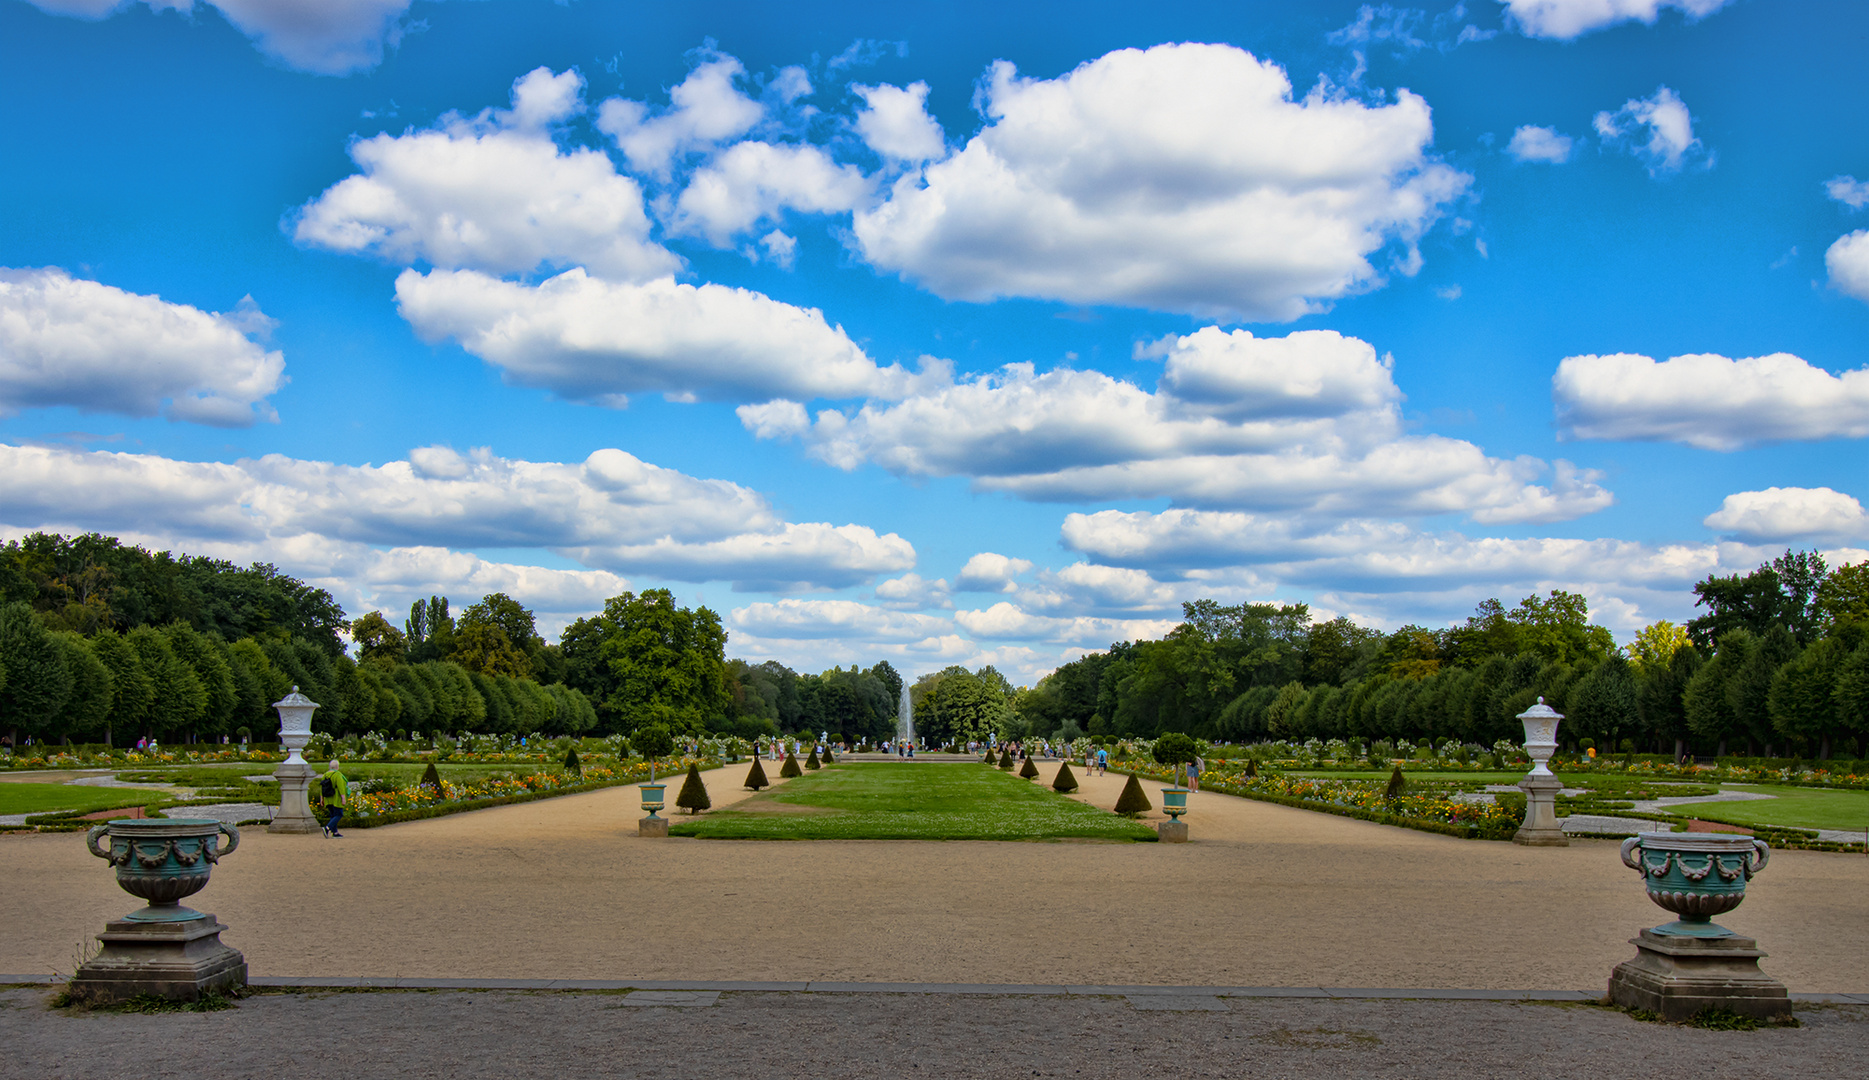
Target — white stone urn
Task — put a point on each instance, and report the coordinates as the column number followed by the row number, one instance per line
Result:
column 294, row 774
column 1541, row 785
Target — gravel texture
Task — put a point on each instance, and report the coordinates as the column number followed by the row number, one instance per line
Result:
column 1264, row 896
column 453, row 1034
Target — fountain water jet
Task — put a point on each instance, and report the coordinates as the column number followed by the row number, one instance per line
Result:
column 905, row 719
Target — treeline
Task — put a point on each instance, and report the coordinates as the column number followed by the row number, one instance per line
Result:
column 1779, row 663
column 103, row 642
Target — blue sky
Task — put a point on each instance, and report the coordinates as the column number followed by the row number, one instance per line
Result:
column 956, row 333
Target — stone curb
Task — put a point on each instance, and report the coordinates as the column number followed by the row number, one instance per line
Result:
column 285, row 982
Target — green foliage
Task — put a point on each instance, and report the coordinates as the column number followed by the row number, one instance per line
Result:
column 829, row 758
column 790, row 768
column 1175, row 748
column 1132, row 801
column 960, row 705
column 1029, row 771
column 572, row 764
column 38, row 680
column 377, row 640
column 812, row 762
column 653, row 742
column 644, row 660
column 1714, row 1018
column 756, row 776
column 693, row 797
column 431, row 778
column 1066, row 781
column 1005, row 759
column 1397, row 784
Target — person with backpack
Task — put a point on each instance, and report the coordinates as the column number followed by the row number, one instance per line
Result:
column 332, row 786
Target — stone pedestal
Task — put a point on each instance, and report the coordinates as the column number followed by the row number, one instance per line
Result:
column 652, row 826
column 294, row 814
column 1541, row 827
column 180, row 961
column 1172, row 832
column 1678, row 976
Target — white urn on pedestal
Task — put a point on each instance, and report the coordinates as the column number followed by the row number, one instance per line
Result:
column 1541, row 785
column 294, row 774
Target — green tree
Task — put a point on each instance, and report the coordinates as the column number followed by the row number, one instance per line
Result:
column 179, row 700
column 667, row 664
column 131, row 689
column 87, row 707
column 377, row 640
column 38, row 680
column 210, row 667
column 1802, row 699
column 1843, row 598
column 1603, row 705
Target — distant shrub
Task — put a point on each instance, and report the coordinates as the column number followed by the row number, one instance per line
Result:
column 790, row 768
column 572, row 764
column 1397, row 784
column 756, row 777
column 654, row 742
column 812, row 762
column 1005, row 760
column 1132, row 801
column 1030, row 772
column 829, row 758
column 693, row 797
column 1066, row 781
column 431, row 778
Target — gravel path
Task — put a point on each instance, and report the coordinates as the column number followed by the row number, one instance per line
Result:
column 1265, row 896
column 498, row 1034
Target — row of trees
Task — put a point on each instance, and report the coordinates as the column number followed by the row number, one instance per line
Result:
column 1778, row 663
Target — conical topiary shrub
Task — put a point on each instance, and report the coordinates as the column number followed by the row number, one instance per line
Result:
column 1397, row 783
column 988, row 759
column 1066, row 780
column 1251, row 769
column 1030, row 771
column 572, row 764
column 756, row 776
column 431, row 778
column 812, row 762
column 790, row 768
column 1005, row 760
column 1132, row 801
column 693, row 797
column 828, row 759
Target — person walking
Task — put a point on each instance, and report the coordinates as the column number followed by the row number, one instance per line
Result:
column 336, row 794
column 1194, row 773
column 1103, row 761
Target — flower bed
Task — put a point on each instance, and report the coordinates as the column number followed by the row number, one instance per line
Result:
column 369, row 809
column 1364, row 800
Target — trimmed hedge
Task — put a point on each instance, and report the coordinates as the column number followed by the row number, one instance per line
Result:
column 1030, row 772
column 1066, row 781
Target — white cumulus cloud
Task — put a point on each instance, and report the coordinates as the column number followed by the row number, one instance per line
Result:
column 1183, row 178
column 97, row 348
column 1707, row 400
column 755, row 181
column 794, row 619
column 895, row 122
column 1541, row 144
column 1790, row 514
column 1848, row 264
column 612, row 511
column 1848, row 190
column 325, row 37
column 991, row 572
column 491, row 192
column 1568, row 19
column 705, row 110
column 586, row 339
column 1670, row 145
column 1308, row 422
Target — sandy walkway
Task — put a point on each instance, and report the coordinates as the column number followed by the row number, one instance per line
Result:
column 1265, row 896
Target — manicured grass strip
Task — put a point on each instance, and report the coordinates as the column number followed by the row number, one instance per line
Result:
column 1794, row 807
column 45, row 798
column 892, row 801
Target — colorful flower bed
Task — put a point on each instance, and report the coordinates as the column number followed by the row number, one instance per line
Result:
column 386, row 807
column 1365, row 800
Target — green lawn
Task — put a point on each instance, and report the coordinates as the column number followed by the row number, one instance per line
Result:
column 1796, row 807
column 889, row 801
column 45, row 798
